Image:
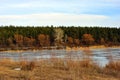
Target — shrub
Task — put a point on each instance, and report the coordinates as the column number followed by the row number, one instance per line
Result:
column 113, row 65
column 27, row 65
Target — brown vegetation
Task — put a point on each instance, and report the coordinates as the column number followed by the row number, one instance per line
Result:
column 113, row 66
column 43, row 40
column 87, row 39
column 58, row 69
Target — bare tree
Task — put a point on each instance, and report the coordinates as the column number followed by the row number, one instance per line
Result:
column 58, row 35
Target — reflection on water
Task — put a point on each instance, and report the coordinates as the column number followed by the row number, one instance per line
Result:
column 99, row 56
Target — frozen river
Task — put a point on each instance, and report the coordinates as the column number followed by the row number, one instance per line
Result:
column 99, row 56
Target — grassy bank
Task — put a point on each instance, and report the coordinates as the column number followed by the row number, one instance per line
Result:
column 53, row 47
column 90, row 47
column 58, row 69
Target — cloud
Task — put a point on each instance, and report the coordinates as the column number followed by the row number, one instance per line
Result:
column 60, row 12
column 54, row 19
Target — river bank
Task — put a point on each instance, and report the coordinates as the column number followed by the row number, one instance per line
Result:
column 20, row 49
column 91, row 47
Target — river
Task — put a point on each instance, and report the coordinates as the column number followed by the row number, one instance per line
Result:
column 100, row 56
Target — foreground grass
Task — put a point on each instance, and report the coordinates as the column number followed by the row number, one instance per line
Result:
column 58, row 69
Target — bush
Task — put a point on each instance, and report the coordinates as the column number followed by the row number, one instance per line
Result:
column 27, row 65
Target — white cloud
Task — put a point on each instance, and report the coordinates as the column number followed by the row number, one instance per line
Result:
column 54, row 19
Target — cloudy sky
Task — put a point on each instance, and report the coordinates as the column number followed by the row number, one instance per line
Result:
column 60, row 12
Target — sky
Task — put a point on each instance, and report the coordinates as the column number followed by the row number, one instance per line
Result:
column 104, row 13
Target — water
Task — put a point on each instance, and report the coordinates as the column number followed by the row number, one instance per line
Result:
column 99, row 56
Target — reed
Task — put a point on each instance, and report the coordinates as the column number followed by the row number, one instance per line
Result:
column 29, row 66
column 58, row 69
column 113, row 65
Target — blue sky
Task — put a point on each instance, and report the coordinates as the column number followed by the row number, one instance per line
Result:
column 60, row 12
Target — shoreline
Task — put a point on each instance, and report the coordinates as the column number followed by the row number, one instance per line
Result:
column 67, row 48
column 91, row 47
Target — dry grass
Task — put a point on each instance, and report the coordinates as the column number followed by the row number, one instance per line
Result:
column 58, row 69
column 113, row 65
column 27, row 66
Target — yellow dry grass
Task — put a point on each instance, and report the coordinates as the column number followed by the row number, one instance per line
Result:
column 57, row 69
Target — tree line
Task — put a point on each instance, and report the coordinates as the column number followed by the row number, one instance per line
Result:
column 40, row 36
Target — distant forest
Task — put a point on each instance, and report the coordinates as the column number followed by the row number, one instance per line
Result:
column 40, row 36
